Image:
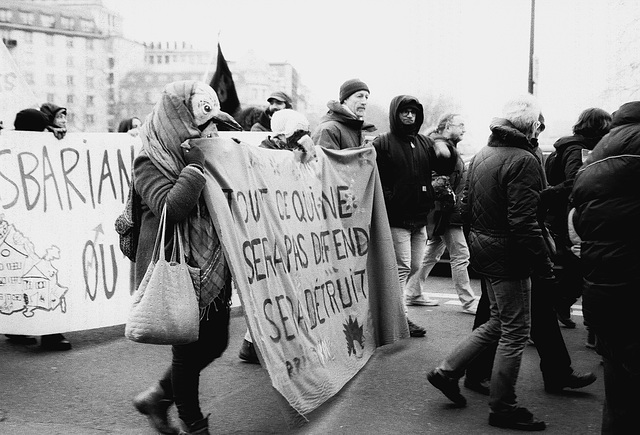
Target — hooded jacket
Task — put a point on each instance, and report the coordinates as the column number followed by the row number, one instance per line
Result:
column 405, row 162
column 339, row 129
column 50, row 110
column 503, row 188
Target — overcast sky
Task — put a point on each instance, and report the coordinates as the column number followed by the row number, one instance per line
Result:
column 472, row 51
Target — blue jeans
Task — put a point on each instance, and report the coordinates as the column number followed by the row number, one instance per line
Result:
column 409, row 246
column 509, row 326
column 452, row 239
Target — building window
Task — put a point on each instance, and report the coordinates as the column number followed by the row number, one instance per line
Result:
column 66, row 23
column 159, row 58
column 90, row 101
column 86, row 26
column 70, row 42
column 70, row 62
column 89, row 119
column 89, row 43
column 28, row 18
column 112, row 62
column 47, row 20
column 166, row 59
column 151, row 60
column 5, row 15
column 90, row 84
column 71, row 117
column 50, row 98
column 70, row 80
column 49, row 39
column 110, row 79
column 51, row 80
column 70, row 99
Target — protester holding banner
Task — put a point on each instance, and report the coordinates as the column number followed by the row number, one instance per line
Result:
column 343, row 125
column 35, row 120
column 130, row 125
column 277, row 101
column 57, row 119
column 170, row 171
column 406, row 160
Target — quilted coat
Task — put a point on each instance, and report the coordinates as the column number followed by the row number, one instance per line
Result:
column 503, row 190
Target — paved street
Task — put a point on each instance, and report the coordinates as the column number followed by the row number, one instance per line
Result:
column 88, row 390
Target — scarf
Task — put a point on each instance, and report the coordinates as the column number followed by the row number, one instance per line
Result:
column 165, row 129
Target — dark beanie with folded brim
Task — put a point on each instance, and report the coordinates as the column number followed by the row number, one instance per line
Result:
column 350, row 87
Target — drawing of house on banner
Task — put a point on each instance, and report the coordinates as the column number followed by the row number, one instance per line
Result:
column 27, row 282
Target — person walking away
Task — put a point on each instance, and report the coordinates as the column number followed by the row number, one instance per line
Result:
column 561, row 168
column 405, row 161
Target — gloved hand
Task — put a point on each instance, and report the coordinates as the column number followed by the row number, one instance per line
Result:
column 192, row 154
column 306, row 150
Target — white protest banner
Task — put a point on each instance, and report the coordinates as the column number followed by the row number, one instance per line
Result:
column 15, row 93
column 310, row 250
column 61, row 268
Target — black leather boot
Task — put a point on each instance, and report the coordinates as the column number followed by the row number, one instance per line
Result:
column 155, row 405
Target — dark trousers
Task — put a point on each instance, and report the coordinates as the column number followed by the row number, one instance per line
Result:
column 182, row 379
column 555, row 362
column 569, row 285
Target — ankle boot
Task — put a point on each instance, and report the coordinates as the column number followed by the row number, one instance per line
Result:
column 153, row 403
column 199, row 427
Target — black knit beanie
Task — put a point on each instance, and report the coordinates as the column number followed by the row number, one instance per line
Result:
column 350, row 87
column 30, row 120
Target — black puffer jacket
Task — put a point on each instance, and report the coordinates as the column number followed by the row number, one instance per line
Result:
column 405, row 160
column 606, row 196
column 503, row 189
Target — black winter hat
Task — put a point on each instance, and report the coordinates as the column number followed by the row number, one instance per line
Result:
column 30, row 120
column 350, row 87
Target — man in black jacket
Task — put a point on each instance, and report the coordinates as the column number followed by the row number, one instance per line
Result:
column 504, row 184
column 405, row 161
column 607, row 211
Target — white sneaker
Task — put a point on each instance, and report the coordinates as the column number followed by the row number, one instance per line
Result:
column 422, row 301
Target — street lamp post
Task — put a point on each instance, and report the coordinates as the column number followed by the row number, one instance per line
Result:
column 531, row 44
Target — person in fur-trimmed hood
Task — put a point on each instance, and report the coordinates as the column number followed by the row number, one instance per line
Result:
column 170, row 170
column 343, row 125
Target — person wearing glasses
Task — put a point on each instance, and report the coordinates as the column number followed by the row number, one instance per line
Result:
column 448, row 231
column 405, row 161
column 507, row 247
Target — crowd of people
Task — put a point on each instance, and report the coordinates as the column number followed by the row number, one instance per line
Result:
column 541, row 234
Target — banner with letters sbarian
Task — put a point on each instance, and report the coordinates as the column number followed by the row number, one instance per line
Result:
column 60, row 265
column 310, row 251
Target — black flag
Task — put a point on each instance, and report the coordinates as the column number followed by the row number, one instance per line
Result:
column 222, row 83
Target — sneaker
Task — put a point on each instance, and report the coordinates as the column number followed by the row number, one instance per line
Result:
column 422, row 301
column 248, row 353
column 415, row 330
column 574, row 380
column 519, row 419
column 481, row 387
column 448, row 387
